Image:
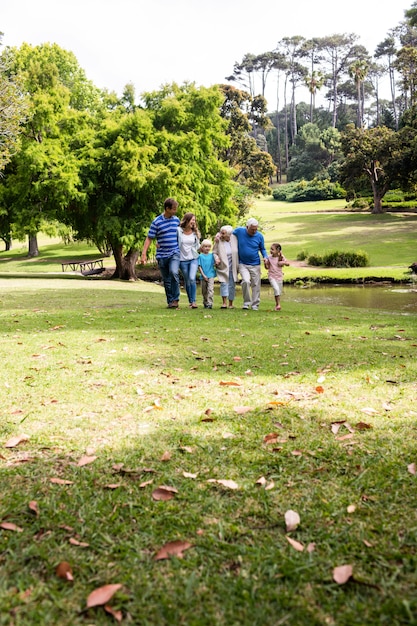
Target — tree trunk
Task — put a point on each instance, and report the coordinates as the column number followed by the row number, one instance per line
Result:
column 125, row 265
column 377, row 208
column 33, row 246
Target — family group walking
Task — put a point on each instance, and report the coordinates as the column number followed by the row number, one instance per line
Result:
column 235, row 251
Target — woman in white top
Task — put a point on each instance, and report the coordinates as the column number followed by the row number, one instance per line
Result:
column 226, row 249
column 189, row 243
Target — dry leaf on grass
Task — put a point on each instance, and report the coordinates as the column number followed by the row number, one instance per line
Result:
column 172, row 548
column 102, row 595
column 292, row 520
column 412, row 468
column 351, row 508
column 113, row 486
column 230, row 383
column 164, row 493
column 295, row 544
column 189, row 475
column 11, row 526
column 342, row 574
column 271, row 438
column 241, row 410
column 319, row 389
column 64, row 571
column 14, row 441
column 86, row 460
column 33, row 506
column 166, row 456
column 118, row 616
column 230, row 484
column 145, row 484
column 363, row 426
column 80, row 544
column 311, row 547
column 61, row 481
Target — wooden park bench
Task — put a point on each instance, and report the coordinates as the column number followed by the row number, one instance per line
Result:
column 87, row 268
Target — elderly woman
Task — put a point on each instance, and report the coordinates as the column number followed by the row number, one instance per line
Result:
column 225, row 248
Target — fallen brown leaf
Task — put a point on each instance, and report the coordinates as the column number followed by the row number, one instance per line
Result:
column 412, row 468
column 189, row 475
column 33, row 506
column 241, row 410
column 164, row 493
column 86, row 460
column 14, row 441
column 342, row 574
column 102, row 595
column 295, row 544
column 11, row 526
column 80, row 544
column 61, row 481
column 363, row 426
column 172, row 548
column 166, row 456
column 230, row 484
column 118, row 616
column 64, row 571
column 292, row 520
column 230, row 383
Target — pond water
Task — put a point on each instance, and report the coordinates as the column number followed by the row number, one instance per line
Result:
column 385, row 297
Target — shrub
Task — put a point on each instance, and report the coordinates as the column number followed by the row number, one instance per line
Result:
column 338, row 258
column 304, row 191
column 360, row 203
column 302, row 256
column 315, row 260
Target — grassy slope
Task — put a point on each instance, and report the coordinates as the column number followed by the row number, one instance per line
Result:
column 99, row 368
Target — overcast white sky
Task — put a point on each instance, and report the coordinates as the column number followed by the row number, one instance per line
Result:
column 152, row 42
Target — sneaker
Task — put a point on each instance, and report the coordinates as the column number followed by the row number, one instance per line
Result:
column 245, row 306
column 209, row 306
column 254, row 308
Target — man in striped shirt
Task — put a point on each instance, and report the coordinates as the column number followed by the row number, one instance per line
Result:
column 164, row 230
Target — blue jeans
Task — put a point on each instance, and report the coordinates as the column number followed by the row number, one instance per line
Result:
column 189, row 272
column 169, row 268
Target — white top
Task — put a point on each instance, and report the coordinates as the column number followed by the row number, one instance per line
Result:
column 186, row 247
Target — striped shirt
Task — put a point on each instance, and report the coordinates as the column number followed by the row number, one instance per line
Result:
column 164, row 230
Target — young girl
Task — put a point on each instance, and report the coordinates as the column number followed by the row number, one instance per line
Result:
column 207, row 266
column 276, row 261
column 189, row 244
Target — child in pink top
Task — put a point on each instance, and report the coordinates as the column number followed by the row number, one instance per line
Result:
column 276, row 261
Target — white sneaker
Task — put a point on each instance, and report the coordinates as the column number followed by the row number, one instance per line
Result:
column 245, row 306
column 254, row 308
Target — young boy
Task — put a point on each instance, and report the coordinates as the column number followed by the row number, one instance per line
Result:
column 207, row 262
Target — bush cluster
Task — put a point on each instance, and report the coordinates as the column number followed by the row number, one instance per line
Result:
column 304, row 191
column 339, row 259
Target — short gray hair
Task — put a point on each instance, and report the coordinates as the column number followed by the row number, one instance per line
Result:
column 227, row 229
column 252, row 222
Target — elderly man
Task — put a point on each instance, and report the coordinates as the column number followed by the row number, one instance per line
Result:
column 250, row 243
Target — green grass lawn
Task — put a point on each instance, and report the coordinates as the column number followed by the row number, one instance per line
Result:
column 304, row 410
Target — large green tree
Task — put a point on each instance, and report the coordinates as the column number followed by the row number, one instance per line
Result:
column 135, row 158
column 372, row 159
column 43, row 176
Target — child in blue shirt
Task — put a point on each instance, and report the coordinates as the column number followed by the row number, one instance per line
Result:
column 207, row 262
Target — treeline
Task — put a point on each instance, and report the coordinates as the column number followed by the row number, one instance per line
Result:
column 306, row 141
